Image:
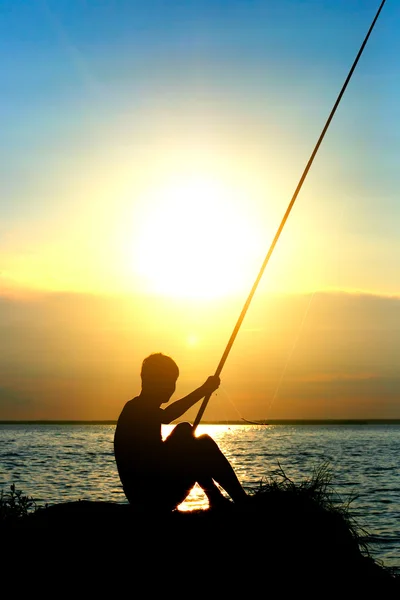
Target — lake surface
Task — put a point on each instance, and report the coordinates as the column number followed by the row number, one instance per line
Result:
column 56, row 463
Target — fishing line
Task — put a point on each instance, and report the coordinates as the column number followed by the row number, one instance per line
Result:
column 288, row 359
column 290, row 354
column 285, row 217
column 232, row 403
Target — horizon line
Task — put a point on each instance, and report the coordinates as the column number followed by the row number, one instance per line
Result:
column 211, row 422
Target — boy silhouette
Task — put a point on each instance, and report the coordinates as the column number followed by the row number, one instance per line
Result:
column 159, row 474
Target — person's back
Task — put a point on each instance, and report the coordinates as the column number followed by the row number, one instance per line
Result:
column 137, row 448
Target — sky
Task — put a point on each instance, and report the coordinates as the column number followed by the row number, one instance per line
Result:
column 149, row 151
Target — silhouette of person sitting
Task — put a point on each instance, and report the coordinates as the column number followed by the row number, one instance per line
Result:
column 159, row 474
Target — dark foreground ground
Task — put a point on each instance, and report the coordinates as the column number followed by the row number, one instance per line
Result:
column 280, row 544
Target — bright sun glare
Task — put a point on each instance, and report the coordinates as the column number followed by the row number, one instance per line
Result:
column 195, row 240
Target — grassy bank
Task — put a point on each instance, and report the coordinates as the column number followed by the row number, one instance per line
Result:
column 301, row 534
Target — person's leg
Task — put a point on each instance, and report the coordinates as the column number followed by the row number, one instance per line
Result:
column 215, row 497
column 216, row 465
column 186, row 468
column 199, row 459
column 179, row 474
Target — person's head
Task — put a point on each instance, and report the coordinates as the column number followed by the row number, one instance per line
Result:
column 159, row 374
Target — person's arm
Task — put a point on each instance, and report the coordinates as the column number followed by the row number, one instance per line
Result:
column 179, row 407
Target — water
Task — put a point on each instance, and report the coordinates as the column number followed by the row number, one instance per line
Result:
column 64, row 462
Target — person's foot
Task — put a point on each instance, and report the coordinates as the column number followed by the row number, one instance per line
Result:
column 244, row 503
column 221, row 503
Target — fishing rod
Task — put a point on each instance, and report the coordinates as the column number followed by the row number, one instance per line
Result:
column 285, row 217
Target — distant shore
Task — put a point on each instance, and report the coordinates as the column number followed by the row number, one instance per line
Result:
column 242, row 422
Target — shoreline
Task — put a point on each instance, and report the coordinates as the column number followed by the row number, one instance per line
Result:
column 308, row 539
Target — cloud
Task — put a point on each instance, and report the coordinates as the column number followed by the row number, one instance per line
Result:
column 71, row 356
column 11, row 399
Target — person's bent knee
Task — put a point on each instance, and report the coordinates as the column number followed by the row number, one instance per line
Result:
column 184, row 428
column 182, row 431
column 207, row 442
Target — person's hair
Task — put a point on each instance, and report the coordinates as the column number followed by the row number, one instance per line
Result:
column 159, row 366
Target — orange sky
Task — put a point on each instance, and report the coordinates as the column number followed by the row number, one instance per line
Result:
column 321, row 356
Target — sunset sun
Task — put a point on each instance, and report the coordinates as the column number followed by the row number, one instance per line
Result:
column 195, row 240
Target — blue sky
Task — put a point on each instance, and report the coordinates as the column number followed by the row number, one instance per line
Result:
column 150, row 150
column 88, row 87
